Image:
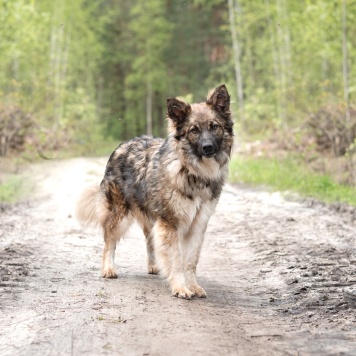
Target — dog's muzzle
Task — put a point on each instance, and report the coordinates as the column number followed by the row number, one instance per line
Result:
column 208, row 149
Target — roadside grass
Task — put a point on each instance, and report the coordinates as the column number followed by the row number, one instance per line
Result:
column 289, row 174
column 12, row 189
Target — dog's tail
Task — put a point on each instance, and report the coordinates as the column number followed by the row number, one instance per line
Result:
column 90, row 206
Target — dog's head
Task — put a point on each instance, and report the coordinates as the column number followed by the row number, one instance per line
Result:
column 203, row 128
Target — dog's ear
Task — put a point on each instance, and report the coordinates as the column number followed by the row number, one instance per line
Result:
column 219, row 100
column 177, row 110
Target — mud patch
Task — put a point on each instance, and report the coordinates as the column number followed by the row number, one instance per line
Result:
column 14, row 271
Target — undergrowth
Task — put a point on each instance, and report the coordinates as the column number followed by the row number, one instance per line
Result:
column 11, row 189
column 289, row 174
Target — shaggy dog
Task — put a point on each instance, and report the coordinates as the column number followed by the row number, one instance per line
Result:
column 170, row 187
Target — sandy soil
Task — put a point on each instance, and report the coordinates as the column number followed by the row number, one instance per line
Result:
column 280, row 278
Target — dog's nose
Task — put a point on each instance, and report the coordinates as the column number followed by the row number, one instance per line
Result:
column 208, row 148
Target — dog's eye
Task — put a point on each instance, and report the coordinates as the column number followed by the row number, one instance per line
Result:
column 194, row 130
column 214, row 127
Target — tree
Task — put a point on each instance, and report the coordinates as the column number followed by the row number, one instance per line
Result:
column 236, row 50
column 151, row 35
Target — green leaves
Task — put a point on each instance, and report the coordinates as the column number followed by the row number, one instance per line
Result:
column 80, row 65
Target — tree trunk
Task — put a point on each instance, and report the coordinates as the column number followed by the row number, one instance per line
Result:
column 287, row 46
column 345, row 71
column 149, row 109
column 51, row 64
column 282, row 62
column 64, row 68
column 57, row 63
column 236, row 49
column 276, row 68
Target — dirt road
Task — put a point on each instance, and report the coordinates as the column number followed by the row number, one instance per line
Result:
column 280, row 278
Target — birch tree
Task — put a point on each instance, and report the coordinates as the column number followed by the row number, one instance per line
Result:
column 345, row 71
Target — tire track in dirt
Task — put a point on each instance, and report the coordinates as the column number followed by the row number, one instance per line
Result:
column 280, row 278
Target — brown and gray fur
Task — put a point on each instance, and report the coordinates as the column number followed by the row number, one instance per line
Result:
column 170, row 187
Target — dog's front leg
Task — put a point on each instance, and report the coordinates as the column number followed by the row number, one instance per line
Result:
column 192, row 244
column 168, row 241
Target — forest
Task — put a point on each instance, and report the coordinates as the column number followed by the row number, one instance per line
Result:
column 78, row 71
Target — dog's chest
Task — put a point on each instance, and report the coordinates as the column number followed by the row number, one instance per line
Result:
column 198, row 189
column 193, row 186
column 187, row 206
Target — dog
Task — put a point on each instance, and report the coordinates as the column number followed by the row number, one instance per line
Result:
column 170, row 187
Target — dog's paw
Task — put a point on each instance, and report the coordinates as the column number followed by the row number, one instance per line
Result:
column 109, row 273
column 152, row 269
column 182, row 292
column 198, row 291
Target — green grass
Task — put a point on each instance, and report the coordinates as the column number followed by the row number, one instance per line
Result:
column 289, row 174
column 11, row 190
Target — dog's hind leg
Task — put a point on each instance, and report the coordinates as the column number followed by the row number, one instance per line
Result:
column 151, row 259
column 112, row 235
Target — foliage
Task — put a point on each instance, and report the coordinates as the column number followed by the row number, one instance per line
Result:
column 89, row 70
column 289, row 174
column 14, row 127
column 109, row 55
column 49, row 54
column 331, row 131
